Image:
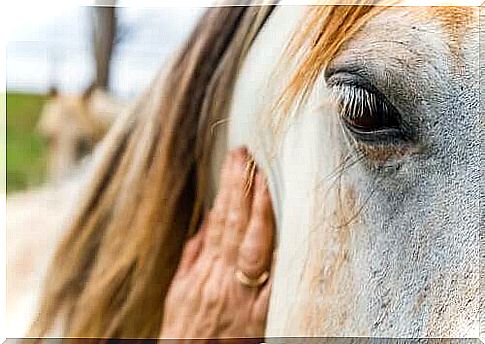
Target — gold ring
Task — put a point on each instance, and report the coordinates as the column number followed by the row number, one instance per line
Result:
column 251, row 282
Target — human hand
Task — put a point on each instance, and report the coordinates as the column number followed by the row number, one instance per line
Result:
column 220, row 288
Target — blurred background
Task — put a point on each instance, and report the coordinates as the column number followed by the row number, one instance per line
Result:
column 70, row 70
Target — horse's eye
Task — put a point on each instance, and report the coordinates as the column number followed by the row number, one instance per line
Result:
column 83, row 147
column 365, row 112
column 49, row 139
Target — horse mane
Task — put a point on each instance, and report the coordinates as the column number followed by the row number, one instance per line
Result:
column 110, row 273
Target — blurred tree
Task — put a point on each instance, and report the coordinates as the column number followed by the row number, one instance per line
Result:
column 104, row 36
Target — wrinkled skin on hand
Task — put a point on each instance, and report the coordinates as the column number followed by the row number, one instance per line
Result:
column 205, row 299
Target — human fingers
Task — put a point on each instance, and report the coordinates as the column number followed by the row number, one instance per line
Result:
column 192, row 250
column 257, row 247
column 261, row 305
column 239, row 205
column 217, row 215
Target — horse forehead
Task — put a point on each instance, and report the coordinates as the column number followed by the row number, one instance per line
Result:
column 447, row 31
column 455, row 21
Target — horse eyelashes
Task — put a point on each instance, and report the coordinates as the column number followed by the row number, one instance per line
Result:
column 354, row 101
column 364, row 111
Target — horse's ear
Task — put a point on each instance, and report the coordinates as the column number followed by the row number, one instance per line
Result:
column 53, row 92
column 88, row 91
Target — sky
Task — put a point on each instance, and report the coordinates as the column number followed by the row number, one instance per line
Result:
column 51, row 46
column 48, row 42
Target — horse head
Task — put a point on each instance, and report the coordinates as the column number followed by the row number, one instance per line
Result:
column 375, row 172
column 73, row 125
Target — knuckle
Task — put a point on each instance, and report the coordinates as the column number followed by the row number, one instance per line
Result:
column 252, row 262
column 190, row 296
column 210, row 296
column 251, row 254
column 255, row 270
column 212, row 290
column 234, row 219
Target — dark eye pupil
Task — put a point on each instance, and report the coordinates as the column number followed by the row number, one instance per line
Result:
column 370, row 122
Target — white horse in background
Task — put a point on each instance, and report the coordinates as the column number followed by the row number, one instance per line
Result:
column 365, row 120
column 73, row 124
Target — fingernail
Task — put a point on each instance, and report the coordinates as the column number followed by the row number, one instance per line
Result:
column 243, row 150
column 241, row 160
column 240, row 152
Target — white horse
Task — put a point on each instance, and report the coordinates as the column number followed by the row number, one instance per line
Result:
column 366, row 122
column 378, row 235
column 73, row 124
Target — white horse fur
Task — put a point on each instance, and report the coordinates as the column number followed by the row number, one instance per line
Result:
column 393, row 253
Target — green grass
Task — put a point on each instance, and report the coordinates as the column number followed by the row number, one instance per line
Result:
column 26, row 150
